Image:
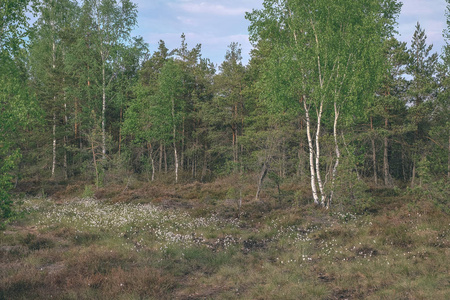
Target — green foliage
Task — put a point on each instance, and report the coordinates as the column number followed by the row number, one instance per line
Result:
column 18, row 109
column 80, row 81
column 7, row 165
column 88, row 192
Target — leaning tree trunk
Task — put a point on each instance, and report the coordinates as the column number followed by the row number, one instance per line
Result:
column 261, row 177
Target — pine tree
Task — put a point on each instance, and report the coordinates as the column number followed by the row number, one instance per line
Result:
column 422, row 91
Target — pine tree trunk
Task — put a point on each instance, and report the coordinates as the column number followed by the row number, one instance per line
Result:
column 76, row 118
column 387, row 176
column 233, row 145
column 374, row 154
column 283, row 159
column 66, row 175
column 95, row 163
column 160, row 157
column 386, row 163
column 120, row 129
column 413, row 177
column 174, row 141
column 448, row 163
column 165, row 160
column 403, row 164
column 193, row 167
column 205, row 163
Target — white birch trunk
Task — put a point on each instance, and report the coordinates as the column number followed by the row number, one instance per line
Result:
column 153, row 169
column 65, row 131
column 65, row 139
column 54, row 114
column 150, row 154
column 319, row 179
column 311, row 154
column 338, row 154
column 176, row 160
column 103, row 108
column 54, row 146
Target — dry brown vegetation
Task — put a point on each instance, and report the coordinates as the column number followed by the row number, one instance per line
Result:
column 201, row 245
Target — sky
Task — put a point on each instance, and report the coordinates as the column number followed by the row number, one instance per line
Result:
column 216, row 23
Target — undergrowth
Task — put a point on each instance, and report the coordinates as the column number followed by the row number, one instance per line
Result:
column 152, row 246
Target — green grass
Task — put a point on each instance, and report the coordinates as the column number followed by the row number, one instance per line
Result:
column 90, row 249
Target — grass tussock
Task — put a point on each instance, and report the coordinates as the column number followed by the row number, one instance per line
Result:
column 195, row 242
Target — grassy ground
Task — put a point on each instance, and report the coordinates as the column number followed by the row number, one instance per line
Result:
column 194, row 242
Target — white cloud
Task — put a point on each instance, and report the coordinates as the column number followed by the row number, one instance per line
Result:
column 188, row 21
column 213, row 9
column 420, row 7
column 431, row 16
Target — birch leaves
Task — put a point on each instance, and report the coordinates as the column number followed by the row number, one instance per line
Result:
column 323, row 52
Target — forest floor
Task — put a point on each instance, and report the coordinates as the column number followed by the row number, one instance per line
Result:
column 195, row 241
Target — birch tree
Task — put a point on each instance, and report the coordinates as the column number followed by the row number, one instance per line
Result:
column 322, row 49
column 48, row 70
column 111, row 25
column 17, row 106
column 169, row 97
column 140, row 117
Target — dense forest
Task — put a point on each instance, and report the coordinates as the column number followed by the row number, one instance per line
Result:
column 319, row 170
column 330, row 100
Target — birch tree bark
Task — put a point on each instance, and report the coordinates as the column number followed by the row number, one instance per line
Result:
column 311, row 154
column 113, row 21
column 320, row 51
